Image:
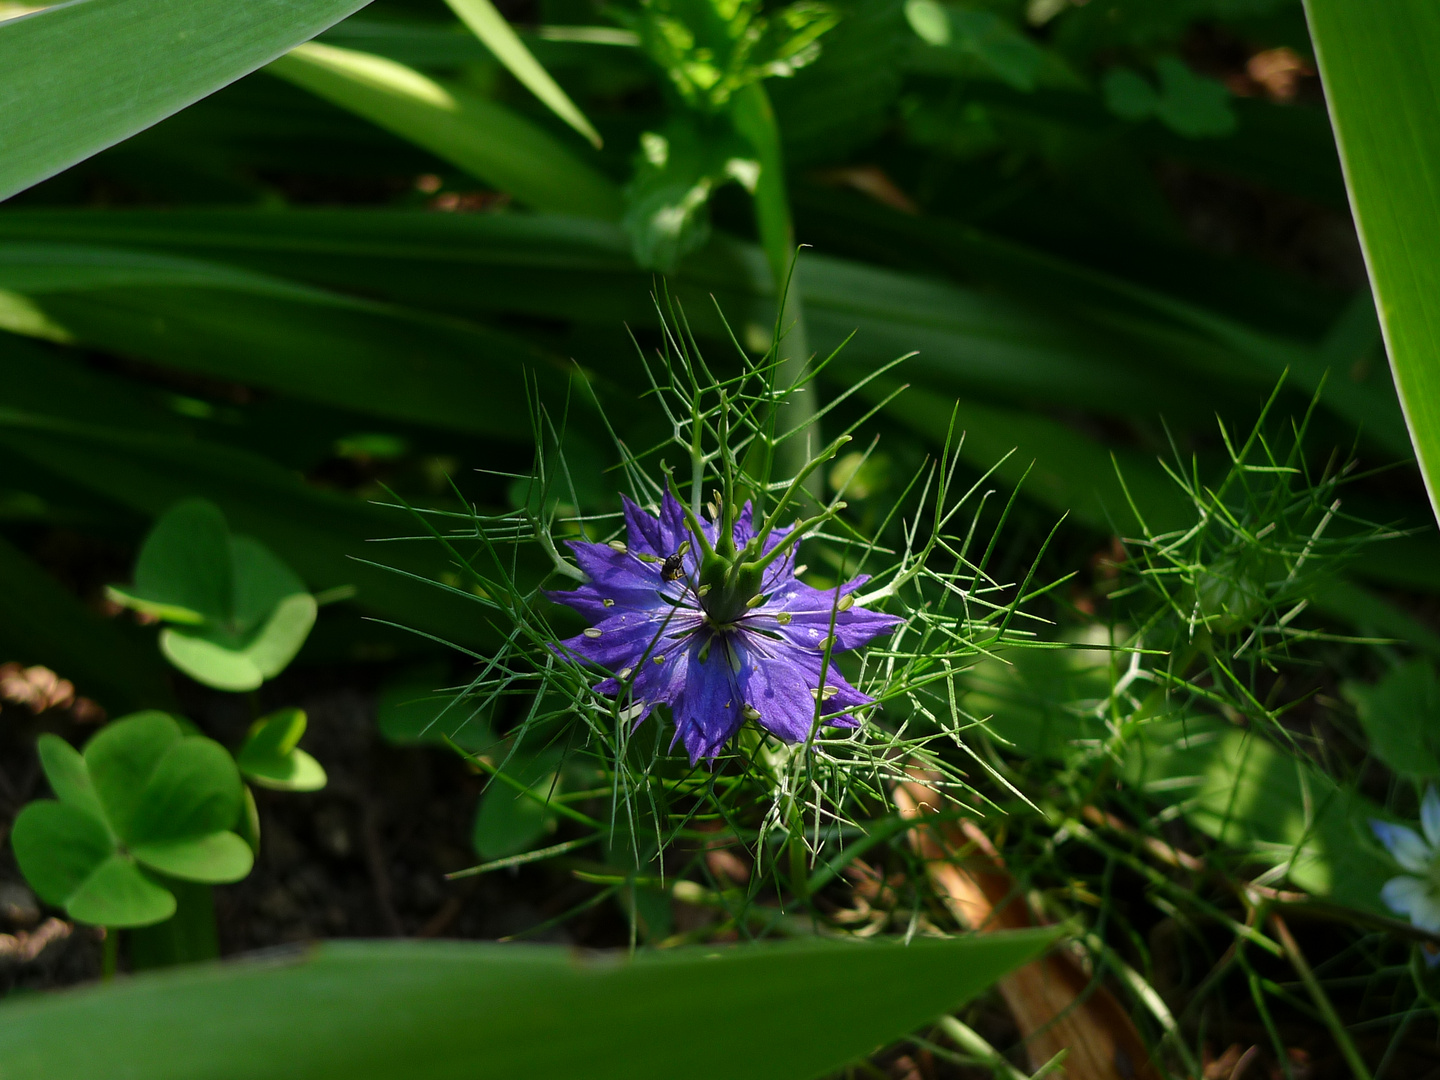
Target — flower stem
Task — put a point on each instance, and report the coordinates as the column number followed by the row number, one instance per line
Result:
column 1321, row 999
column 109, row 953
column 754, row 119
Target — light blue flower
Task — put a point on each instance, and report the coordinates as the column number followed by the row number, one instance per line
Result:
column 1416, row 893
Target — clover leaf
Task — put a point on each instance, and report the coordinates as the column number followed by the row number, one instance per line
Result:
column 272, row 758
column 1401, row 718
column 145, row 800
column 237, row 614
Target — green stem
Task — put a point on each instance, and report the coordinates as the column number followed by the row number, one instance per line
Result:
column 754, row 119
column 1322, row 1000
column 109, row 953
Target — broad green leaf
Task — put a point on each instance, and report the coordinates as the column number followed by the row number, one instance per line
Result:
column 79, row 77
column 1401, row 717
column 667, row 204
column 1229, row 782
column 1188, row 104
column 215, row 859
column 275, row 735
column 712, row 51
column 119, row 894
column 990, row 42
column 68, row 776
column 244, row 613
column 508, row 820
column 193, row 792
column 480, row 136
column 1060, row 467
column 297, row 771
column 59, row 847
column 320, row 533
column 490, row 27
column 215, row 657
column 271, row 756
column 1048, row 332
column 262, row 583
column 1377, row 63
column 278, row 641
column 170, row 797
column 431, row 1010
column 173, row 613
column 269, row 332
column 210, row 662
column 1244, row 791
column 417, row 709
column 122, row 757
column 1373, row 615
column 185, row 563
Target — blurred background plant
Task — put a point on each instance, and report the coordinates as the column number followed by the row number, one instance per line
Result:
column 343, row 282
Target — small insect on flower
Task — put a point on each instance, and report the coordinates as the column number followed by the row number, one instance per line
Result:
column 673, row 568
column 1415, row 893
column 718, row 638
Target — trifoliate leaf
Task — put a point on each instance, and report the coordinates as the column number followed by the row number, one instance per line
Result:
column 272, row 758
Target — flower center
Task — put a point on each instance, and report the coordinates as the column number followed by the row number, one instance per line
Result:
column 728, row 588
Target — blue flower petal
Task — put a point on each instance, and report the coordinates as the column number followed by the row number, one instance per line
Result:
column 659, row 647
column 1405, row 845
column 782, row 684
column 642, row 529
column 1415, row 898
column 1403, row 894
column 1430, row 815
column 625, row 640
column 709, row 709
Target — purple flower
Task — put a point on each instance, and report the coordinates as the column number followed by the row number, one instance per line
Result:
column 679, row 625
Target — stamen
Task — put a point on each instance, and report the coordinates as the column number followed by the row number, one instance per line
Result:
column 607, row 603
column 846, row 602
column 750, row 712
column 618, row 545
column 591, row 632
column 783, row 618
